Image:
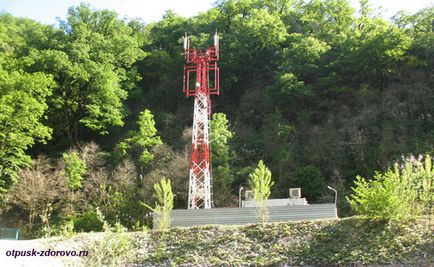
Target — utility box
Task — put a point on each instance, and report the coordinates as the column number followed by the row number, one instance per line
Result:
column 294, row 193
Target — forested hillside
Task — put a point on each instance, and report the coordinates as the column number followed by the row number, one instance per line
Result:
column 319, row 92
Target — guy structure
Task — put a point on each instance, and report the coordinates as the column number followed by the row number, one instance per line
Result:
column 201, row 79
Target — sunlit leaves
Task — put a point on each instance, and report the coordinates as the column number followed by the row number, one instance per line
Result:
column 260, row 183
column 22, row 107
column 221, row 156
column 75, row 168
column 403, row 191
column 142, row 140
column 90, row 64
column 220, row 137
column 163, row 202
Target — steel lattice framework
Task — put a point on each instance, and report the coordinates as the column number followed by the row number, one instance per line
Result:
column 201, row 79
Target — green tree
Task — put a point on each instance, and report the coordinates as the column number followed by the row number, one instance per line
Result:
column 23, row 95
column 303, row 55
column 91, row 62
column 22, row 107
column 163, row 203
column 260, row 183
column 142, row 141
column 419, row 28
column 221, row 156
column 220, row 137
column 75, row 168
column 331, row 21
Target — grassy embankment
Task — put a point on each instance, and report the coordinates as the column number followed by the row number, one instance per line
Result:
column 344, row 242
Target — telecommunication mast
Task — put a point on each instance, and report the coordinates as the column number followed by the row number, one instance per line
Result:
column 201, row 79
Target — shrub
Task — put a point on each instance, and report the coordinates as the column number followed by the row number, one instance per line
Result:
column 41, row 191
column 260, row 183
column 75, row 168
column 88, row 222
column 407, row 189
column 379, row 197
column 115, row 247
column 163, row 204
column 64, row 229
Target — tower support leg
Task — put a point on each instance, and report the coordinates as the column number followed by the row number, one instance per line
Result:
column 199, row 193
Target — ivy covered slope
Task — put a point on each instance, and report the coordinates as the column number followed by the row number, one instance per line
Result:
column 355, row 240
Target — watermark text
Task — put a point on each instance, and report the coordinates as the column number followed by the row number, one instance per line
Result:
column 46, row 253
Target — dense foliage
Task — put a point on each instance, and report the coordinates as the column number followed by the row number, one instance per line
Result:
column 319, row 92
column 406, row 190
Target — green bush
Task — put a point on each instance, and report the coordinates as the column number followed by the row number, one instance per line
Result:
column 88, row 222
column 163, row 204
column 75, row 168
column 64, row 229
column 260, row 183
column 114, row 249
column 406, row 190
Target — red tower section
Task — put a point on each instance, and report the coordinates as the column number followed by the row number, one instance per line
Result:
column 201, row 79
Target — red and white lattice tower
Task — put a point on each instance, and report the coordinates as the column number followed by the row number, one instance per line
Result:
column 201, row 79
